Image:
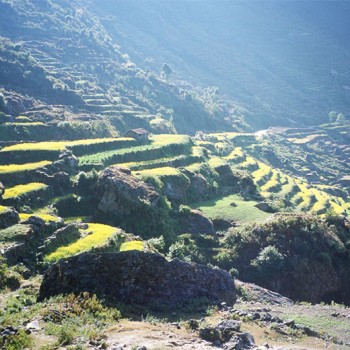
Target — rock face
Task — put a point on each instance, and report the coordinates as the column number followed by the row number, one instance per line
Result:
column 8, row 218
column 135, row 277
column 266, row 207
column 2, row 189
column 116, row 188
column 193, row 221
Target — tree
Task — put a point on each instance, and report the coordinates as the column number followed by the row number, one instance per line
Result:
column 340, row 118
column 332, row 116
column 2, row 102
column 166, row 71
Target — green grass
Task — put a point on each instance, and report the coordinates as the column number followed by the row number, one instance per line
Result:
column 163, row 171
column 306, row 139
column 273, row 184
column 96, row 235
column 261, row 174
column 221, row 208
column 20, row 190
column 60, row 145
column 45, row 217
column 4, row 209
column 162, row 146
column 13, row 233
column 15, row 168
column 133, row 245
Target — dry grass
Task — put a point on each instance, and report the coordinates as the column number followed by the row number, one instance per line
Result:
column 19, row 190
column 15, row 168
column 96, row 235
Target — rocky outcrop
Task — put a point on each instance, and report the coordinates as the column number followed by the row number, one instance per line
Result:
column 124, row 200
column 264, row 206
column 228, row 336
column 2, row 189
column 121, row 193
column 136, row 277
column 262, row 295
column 193, row 221
column 8, row 217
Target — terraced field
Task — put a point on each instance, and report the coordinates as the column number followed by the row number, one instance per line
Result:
column 27, row 171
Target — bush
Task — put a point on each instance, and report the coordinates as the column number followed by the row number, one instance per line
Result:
column 85, row 181
column 269, row 262
column 8, row 279
column 19, row 341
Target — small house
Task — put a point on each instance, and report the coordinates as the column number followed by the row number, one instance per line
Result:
column 139, row 134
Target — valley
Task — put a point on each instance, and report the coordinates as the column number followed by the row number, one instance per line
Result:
column 152, row 200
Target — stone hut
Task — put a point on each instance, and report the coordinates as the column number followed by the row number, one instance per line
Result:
column 139, row 134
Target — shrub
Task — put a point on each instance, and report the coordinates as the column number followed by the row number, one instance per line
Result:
column 18, row 341
column 8, row 279
column 269, row 262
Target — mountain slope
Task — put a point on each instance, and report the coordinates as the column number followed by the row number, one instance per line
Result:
column 82, row 68
column 285, row 62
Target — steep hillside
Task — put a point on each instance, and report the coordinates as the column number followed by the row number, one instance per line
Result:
column 146, row 194
column 60, row 54
column 284, row 62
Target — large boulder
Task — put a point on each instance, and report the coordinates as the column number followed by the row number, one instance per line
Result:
column 193, row 221
column 8, row 217
column 119, row 192
column 135, row 277
column 123, row 200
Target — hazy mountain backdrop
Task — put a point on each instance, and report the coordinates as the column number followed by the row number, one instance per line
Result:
column 285, row 61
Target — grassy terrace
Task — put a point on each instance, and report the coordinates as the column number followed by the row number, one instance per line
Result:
column 20, row 190
column 273, row 184
column 303, row 195
column 166, row 161
column 96, row 235
column 222, row 208
column 161, row 146
column 45, row 217
column 62, row 145
column 236, row 155
column 262, row 173
column 15, row 168
column 162, row 171
column 132, row 245
column 307, row 139
column 231, row 136
column 3, row 209
column 13, row 233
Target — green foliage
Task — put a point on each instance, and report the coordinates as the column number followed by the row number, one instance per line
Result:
column 8, row 278
column 157, row 243
column 84, row 182
column 221, row 208
column 287, row 245
column 268, row 263
column 166, row 71
column 19, row 341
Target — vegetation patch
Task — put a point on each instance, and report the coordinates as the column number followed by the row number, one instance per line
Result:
column 232, row 207
column 21, row 190
column 14, row 168
column 96, row 235
column 132, row 245
column 45, row 217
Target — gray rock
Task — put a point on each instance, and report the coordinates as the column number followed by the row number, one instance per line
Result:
column 34, row 325
column 138, row 278
column 195, row 222
column 8, row 218
column 2, row 189
column 266, row 207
